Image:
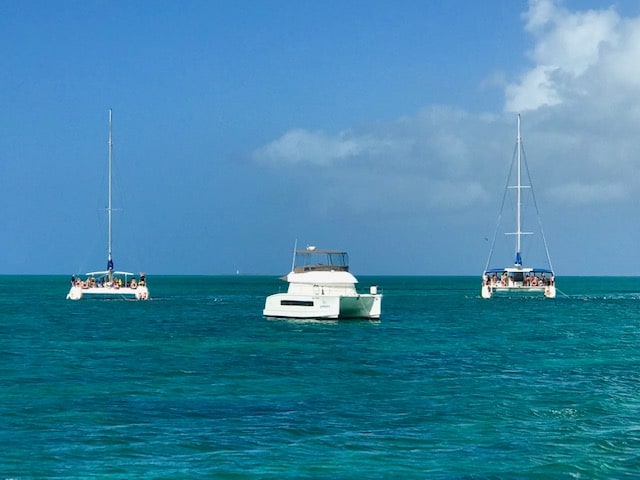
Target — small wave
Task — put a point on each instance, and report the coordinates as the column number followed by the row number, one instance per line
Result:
column 605, row 297
column 556, row 413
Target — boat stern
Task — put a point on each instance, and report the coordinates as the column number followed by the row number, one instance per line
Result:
column 284, row 305
column 75, row 293
column 141, row 292
column 361, row 306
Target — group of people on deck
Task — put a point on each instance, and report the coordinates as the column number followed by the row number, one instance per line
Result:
column 528, row 280
column 534, row 281
column 100, row 282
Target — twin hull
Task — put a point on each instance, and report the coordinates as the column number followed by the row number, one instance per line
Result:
column 285, row 305
column 489, row 291
column 139, row 293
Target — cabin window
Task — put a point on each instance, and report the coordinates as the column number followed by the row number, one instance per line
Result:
column 518, row 276
column 297, row 303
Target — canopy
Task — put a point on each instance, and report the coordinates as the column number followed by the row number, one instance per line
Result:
column 519, row 269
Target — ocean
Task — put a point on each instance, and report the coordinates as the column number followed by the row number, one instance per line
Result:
column 196, row 383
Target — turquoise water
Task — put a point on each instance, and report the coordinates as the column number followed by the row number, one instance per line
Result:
column 197, row 384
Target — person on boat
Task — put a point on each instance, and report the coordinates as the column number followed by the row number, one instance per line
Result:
column 142, row 279
column 73, row 280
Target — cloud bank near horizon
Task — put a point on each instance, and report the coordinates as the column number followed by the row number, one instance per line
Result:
column 580, row 105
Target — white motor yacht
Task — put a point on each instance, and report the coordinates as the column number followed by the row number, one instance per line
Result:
column 321, row 287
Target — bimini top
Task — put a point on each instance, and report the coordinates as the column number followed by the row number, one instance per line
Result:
column 106, row 272
column 312, row 259
column 518, row 268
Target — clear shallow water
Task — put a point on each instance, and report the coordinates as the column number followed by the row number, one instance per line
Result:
column 196, row 383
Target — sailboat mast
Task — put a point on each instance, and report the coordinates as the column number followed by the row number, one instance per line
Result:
column 109, row 208
column 519, row 194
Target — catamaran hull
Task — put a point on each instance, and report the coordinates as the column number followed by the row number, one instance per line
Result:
column 138, row 293
column 490, row 291
column 283, row 305
column 361, row 306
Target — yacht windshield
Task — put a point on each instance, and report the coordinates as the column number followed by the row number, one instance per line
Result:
column 321, row 260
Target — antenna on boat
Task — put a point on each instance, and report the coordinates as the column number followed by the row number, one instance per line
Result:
column 293, row 260
column 109, row 208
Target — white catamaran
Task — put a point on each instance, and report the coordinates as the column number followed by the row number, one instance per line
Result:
column 109, row 283
column 519, row 279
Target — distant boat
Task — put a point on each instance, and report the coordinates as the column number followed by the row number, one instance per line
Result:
column 109, row 283
column 321, row 287
column 518, row 279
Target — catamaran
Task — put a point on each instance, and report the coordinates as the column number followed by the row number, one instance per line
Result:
column 109, row 283
column 518, row 279
column 321, row 287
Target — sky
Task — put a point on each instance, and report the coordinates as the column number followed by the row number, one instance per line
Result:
column 382, row 128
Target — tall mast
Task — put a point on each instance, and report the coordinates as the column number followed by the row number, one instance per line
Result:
column 519, row 187
column 109, row 208
column 518, row 155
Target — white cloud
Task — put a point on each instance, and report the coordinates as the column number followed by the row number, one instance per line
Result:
column 426, row 161
column 299, row 146
column 581, row 96
column 566, row 40
column 567, row 45
column 535, row 89
column 620, row 60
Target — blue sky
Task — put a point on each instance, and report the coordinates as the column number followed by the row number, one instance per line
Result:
column 383, row 128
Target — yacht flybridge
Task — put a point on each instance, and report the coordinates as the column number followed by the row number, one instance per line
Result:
column 321, row 287
column 518, row 279
column 109, row 283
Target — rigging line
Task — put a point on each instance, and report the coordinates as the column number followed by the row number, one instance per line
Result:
column 504, row 196
column 535, row 203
